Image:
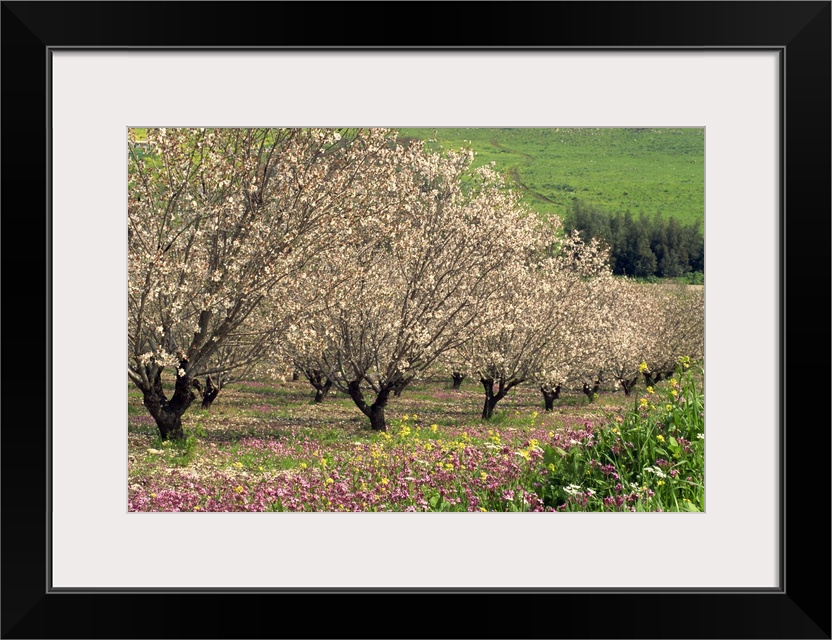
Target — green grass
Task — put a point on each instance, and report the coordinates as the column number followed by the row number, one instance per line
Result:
column 616, row 169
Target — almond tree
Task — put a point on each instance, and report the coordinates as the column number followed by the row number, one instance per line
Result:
column 675, row 329
column 423, row 274
column 219, row 219
column 545, row 319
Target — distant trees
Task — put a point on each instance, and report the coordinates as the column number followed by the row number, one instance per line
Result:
column 642, row 246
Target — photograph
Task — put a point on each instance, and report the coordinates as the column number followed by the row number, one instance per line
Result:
column 417, row 320
column 367, row 269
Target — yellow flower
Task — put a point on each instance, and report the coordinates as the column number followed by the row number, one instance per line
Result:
column 238, row 464
column 259, row 468
column 675, row 393
column 534, row 414
column 533, row 443
column 668, row 406
column 385, row 481
column 239, row 489
column 483, row 509
column 483, row 475
column 415, row 417
column 152, row 495
column 448, row 466
column 642, row 367
column 434, row 427
column 642, row 402
column 660, row 438
column 329, row 480
column 660, row 482
column 303, row 465
column 551, row 434
column 551, row 467
column 650, row 390
column 323, row 462
column 405, row 417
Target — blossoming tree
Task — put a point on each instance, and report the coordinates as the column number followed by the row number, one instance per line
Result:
column 219, row 219
column 420, row 276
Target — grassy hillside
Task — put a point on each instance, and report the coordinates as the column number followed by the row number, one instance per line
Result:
column 641, row 170
column 645, row 170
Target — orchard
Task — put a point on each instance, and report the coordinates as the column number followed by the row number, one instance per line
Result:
column 340, row 320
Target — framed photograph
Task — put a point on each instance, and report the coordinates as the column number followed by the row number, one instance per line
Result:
column 753, row 76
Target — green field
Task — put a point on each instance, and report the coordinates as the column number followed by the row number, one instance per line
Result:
column 641, row 170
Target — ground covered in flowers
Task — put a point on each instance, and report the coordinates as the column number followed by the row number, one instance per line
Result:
column 265, row 446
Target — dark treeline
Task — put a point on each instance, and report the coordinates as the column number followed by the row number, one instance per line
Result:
column 643, row 246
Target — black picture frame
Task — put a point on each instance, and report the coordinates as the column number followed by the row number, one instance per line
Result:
column 800, row 608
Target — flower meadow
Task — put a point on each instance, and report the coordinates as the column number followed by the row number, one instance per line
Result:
column 266, row 447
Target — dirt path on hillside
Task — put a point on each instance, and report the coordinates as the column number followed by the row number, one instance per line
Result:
column 515, row 174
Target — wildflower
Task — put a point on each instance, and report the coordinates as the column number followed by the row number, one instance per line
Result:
column 643, row 367
column 405, row 418
column 152, row 495
column 434, row 427
column 533, row 443
column 660, row 438
column 534, row 415
column 483, row 509
column 668, row 406
column 660, row 482
column 323, row 462
column 650, row 390
column 551, row 467
column 329, row 480
column 303, row 465
column 483, row 475
column 239, row 489
column 385, row 481
column 415, row 417
column 642, row 403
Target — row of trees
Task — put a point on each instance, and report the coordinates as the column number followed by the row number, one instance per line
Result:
column 643, row 246
column 361, row 261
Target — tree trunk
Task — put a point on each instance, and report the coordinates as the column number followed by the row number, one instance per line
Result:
column 322, row 393
column 168, row 413
column 491, row 398
column 400, row 386
column 549, row 396
column 457, row 380
column 592, row 392
column 628, row 385
column 650, row 379
column 321, row 383
column 209, row 394
column 375, row 411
